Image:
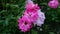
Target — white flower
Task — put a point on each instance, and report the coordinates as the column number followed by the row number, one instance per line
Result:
column 40, row 19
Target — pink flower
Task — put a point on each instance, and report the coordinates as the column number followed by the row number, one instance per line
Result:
column 31, row 6
column 29, row 1
column 24, row 24
column 40, row 19
column 31, row 15
column 53, row 3
column 25, row 28
column 31, row 10
column 55, row 0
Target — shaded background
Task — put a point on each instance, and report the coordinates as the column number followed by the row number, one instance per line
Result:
column 11, row 10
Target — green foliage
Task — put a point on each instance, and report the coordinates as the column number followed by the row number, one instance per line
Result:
column 11, row 10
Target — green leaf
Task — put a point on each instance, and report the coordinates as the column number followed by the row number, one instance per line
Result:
column 34, row 32
column 51, row 33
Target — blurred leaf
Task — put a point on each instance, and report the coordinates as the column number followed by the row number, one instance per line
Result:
column 33, row 32
column 51, row 33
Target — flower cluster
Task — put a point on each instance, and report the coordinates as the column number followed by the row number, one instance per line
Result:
column 32, row 15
